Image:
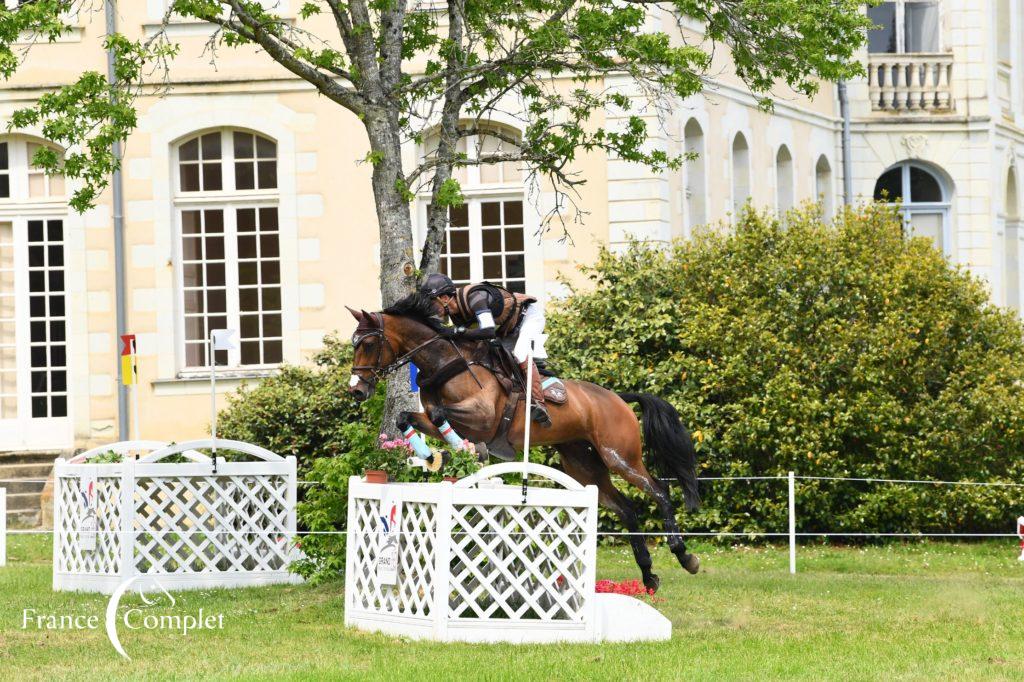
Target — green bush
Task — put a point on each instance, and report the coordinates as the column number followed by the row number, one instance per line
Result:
column 302, row 411
column 831, row 350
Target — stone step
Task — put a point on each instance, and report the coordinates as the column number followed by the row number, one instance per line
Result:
column 18, row 472
column 7, row 458
column 19, row 502
column 34, row 487
column 23, row 519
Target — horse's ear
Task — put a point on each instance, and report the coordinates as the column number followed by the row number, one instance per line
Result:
column 356, row 314
column 369, row 318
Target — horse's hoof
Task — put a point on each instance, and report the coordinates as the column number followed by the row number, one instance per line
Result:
column 482, row 453
column 652, row 582
column 691, row 563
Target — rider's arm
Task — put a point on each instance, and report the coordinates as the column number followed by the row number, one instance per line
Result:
column 480, row 305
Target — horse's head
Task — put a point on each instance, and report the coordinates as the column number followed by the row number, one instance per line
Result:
column 372, row 355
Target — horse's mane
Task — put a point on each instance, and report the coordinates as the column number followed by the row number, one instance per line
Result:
column 417, row 306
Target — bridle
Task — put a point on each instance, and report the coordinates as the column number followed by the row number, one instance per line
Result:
column 377, row 370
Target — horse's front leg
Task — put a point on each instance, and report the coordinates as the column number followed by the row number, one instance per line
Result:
column 408, row 423
column 413, row 424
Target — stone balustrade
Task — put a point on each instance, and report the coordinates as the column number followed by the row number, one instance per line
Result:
column 908, row 83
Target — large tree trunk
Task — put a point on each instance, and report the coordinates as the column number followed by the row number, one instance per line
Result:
column 397, row 270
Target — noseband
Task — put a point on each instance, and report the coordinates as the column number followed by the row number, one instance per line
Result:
column 378, row 371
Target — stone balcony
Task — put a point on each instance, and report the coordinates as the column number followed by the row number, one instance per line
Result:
column 910, row 83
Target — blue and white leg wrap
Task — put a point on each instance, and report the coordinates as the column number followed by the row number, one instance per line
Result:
column 453, row 439
column 418, row 444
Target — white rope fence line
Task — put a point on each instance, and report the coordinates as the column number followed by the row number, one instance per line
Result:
column 792, row 534
column 650, row 534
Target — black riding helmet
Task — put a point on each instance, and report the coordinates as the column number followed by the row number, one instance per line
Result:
column 437, row 284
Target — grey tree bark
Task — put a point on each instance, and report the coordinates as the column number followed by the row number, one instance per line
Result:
column 397, row 270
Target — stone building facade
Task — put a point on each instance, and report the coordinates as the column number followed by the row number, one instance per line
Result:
column 246, row 207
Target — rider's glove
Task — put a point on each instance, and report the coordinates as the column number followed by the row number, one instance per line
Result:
column 448, row 332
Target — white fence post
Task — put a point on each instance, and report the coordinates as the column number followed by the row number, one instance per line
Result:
column 3, row 526
column 792, row 523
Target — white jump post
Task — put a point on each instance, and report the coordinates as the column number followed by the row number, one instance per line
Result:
column 792, row 523
column 3, row 526
column 1020, row 534
column 526, row 415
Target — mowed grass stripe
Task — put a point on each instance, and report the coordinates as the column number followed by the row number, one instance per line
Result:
column 900, row 611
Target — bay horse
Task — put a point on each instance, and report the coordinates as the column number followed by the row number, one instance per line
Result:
column 595, row 432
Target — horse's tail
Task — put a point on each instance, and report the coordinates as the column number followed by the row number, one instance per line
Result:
column 668, row 443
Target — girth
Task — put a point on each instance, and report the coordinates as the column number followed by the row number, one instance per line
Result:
column 500, row 446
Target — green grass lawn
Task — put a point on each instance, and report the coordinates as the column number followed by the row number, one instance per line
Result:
column 919, row 611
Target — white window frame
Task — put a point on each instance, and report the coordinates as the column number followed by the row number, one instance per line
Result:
column 476, row 192
column 19, row 167
column 228, row 201
column 909, row 208
column 476, row 229
column 901, row 26
column 26, row 431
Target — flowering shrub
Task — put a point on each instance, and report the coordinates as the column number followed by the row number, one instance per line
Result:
column 399, row 443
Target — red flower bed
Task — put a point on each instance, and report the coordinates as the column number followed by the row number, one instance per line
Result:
column 630, row 588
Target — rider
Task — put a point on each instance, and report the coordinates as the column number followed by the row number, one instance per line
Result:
column 498, row 313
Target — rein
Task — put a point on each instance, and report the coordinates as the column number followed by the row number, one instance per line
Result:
column 378, row 371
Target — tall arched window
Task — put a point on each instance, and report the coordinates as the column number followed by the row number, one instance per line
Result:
column 226, row 202
column 823, row 186
column 740, row 173
column 695, row 182
column 33, row 302
column 924, row 201
column 783, row 179
column 485, row 238
column 1011, row 236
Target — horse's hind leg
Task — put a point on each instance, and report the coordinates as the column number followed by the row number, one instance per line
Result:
column 582, row 463
column 631, row 467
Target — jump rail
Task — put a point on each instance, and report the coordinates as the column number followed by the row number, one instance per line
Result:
column 529, row 468
column 127, row 447
column 212, row 444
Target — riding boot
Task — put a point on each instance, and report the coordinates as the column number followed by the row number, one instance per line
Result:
column 538, row 412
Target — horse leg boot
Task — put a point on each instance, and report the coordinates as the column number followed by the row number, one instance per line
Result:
column 538, row 411
column 431, row 460
column 440, row 422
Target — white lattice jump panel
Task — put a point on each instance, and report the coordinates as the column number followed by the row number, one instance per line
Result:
column 71, row 495
column 474, row 564
column 518, row 563
column 194, row 524
column 200, row 523
column 413, row 594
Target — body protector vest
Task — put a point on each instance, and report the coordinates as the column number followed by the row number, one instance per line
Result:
column 506, row 307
